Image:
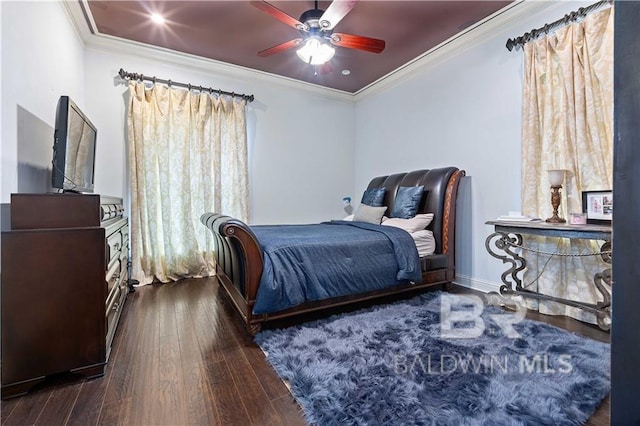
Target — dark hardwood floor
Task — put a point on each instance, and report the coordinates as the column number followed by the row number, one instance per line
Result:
column 181, row 356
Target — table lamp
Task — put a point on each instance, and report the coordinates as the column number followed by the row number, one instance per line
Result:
column 556, row 177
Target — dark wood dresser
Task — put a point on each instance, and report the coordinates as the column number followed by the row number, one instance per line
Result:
column 64, row 284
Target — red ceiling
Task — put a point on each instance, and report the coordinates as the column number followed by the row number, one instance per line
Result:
column 234, row 31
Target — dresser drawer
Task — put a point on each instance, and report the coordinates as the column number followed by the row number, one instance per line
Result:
column 115, row 305
column 114, row 246
column 124, row 252
column 115, row 299
column 113, row 276
column 112, row 298
column 117, row 246
column 125, row 235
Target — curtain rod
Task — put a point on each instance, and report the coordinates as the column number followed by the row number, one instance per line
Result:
column 569, row 17
column 133, row 76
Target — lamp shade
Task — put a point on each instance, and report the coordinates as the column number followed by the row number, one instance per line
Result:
column 556, row 177
column 315, row 52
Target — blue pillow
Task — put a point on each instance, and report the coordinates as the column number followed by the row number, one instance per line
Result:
column 373, row 197
column 407, row 201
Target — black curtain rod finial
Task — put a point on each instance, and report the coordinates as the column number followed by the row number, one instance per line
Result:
column 546, row 29
column 133, row 76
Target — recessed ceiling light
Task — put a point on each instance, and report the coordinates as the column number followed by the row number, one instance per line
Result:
column 346, row 72
column 157, row 18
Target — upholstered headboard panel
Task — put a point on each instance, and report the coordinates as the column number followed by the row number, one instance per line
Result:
column 435, row 183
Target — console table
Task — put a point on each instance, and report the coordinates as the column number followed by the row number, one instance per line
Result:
column 507, row 238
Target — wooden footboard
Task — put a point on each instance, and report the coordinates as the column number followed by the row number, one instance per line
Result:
column 240, row 262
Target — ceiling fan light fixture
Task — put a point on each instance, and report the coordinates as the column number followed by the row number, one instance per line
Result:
column 315, row 52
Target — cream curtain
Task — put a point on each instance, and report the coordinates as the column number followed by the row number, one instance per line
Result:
column 567, row 124
column 187, row 156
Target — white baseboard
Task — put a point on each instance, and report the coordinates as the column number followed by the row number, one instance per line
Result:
column 475, row 284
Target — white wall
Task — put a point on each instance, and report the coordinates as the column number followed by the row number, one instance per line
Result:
column 42, row 59
column 300, row 143
column 461, row 109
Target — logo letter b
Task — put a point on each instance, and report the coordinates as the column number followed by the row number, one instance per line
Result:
column 468, row 314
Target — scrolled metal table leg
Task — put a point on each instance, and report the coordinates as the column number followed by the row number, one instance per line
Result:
column 604, row 320
column 598, row 279
column 503, row 241
column 603, row 315
column 605, row 252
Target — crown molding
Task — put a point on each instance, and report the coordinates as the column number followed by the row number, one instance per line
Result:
column 93, row 40
column 110, row 44
column 503, row 20
column 75, row 14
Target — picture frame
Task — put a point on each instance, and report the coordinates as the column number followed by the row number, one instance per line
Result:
column 598, row 205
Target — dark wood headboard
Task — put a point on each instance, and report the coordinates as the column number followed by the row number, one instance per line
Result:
column 434, row 199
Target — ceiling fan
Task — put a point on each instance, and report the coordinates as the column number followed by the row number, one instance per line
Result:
column 317, row 38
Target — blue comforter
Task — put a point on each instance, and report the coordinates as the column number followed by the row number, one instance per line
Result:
column 315, row 262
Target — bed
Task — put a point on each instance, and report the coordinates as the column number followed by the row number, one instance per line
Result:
column 268, row 275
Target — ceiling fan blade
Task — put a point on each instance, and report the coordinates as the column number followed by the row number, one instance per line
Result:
column 368, row 44
column 280, row 47
column 270, row 9
column 335, row 12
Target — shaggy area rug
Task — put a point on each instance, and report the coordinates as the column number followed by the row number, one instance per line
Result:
column 397, row 364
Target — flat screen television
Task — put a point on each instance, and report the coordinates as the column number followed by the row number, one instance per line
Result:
column 74, row 149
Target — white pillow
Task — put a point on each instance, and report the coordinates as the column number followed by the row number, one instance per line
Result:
column 349, row 218
column 369, row 214
column 425, row 243
column 416, row 223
